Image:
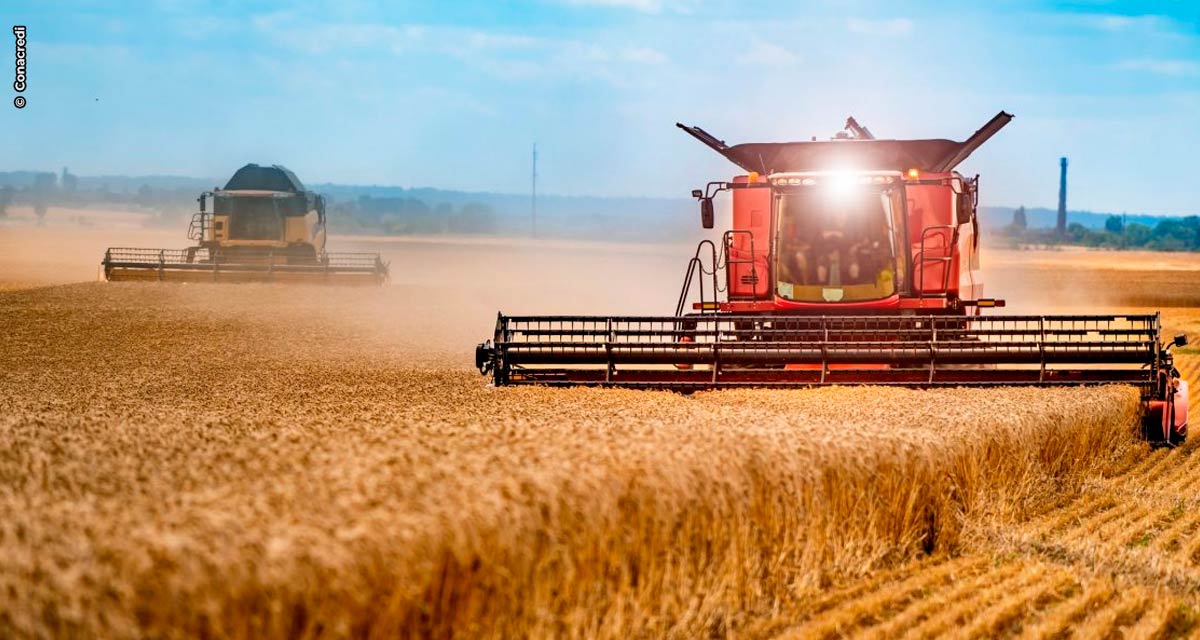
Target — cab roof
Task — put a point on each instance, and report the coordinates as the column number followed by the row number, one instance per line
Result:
column 253, row 177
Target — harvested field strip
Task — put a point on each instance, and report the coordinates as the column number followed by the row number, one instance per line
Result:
column 836, row 597
column 1002, row 617
column 1182, row 529
column 1137, row 521
column 894, row 599
column 957, row 612
column 1149, row 508
column 1151, row 523
column 1059, row 619
column 1100, row 504
column 1134, row 523
column 936, row 600
column 1168, row 524
column 1123, row 611
column 1157, row 619
column 888, row 598
column 1189, row 554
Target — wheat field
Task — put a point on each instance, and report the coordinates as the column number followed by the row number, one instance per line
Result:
column 258, row 461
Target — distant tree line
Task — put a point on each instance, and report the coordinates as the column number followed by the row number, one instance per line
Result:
column 401, row 216
column 39, row 194
column 1168, row 234
column 44, row 189
column 173, row 206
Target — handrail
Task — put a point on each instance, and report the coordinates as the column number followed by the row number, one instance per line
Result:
column 727, row 247
column 693, row 265
column 920, row 259
column 198, row 227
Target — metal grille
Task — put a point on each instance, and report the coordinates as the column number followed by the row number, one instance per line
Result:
column 201, row 259
column 712, row 350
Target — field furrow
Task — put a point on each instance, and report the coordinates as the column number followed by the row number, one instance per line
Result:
column 1126, row 609
column 1002, row 617
column 1147, row 530
column 914, row 577
column 1074, row 517
column 916, row 610
column 1058, row 620
column 888, row 600
column 1100, row 504
column 1157, row 619
column 1189, row 550
column 1173, row 537
column 953, row 613
column 1152, row 509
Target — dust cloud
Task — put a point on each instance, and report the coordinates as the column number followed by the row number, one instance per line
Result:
column 1087, row 281
column 441, row 300
column 444, row 292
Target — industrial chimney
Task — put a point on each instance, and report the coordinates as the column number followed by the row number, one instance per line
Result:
column 1061, row 228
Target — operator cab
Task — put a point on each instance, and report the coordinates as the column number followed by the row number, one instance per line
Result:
column 262, row 208
column 836, row 236
column 852, row 225
column 257, row 215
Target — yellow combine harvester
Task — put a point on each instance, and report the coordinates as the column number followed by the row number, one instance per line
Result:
column 264, row 227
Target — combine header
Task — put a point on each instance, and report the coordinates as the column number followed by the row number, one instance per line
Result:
column 850, row 261
column 264, row 227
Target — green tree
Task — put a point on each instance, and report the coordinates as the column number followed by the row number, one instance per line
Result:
column 1136, row 235
column 1114, row 224
column 1172, row 235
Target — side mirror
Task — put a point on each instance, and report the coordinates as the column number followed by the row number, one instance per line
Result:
column 321, row 207
column 707, row 218
column 1180, row 340
column 696, row 193
column 966, row 207
column 202, row 200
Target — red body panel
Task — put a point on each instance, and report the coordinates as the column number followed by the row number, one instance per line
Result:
column 749, row 272
column 943, row 254
column 1181, row 408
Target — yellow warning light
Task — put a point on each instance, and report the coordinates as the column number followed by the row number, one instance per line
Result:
column 913, row 174
column 753, row 177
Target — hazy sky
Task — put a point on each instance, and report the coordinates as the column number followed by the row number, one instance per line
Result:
column 452, row 94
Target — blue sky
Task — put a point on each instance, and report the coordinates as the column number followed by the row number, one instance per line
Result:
column 452, row 95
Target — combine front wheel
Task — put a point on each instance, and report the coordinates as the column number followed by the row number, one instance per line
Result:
column 1161, row 425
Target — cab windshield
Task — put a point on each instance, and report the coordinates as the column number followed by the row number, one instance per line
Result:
column 835, row 245
column 252, row 218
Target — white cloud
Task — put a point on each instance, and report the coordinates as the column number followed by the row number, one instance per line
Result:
column 887, row 27
column 642, row 55
column 1161, row 66
column 769, row 54
column 1114, row 22
column 643, row 6
column 504, row 55
column 573, row 59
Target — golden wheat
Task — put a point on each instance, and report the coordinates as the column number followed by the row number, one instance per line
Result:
column 264, row 462
column 228, row 461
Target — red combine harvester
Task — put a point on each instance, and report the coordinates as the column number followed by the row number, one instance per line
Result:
column 851, row 261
